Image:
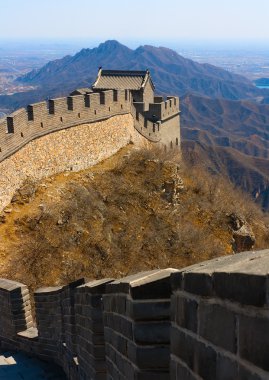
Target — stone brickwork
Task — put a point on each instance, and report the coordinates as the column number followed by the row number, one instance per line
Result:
column 209, row 321
column 137, row 326
column 70, row 149
column 15, row 308
column 76, row 132
column 220, row 319
column 49, row 322
column 90, row 330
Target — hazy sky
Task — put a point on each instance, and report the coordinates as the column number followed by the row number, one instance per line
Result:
column 136, row 19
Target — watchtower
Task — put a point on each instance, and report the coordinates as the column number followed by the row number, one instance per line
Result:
column 139, row 83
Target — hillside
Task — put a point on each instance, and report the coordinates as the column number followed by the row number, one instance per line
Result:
column 232, row 138
column 137, row 210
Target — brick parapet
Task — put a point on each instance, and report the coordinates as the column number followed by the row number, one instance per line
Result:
column 137, row 326
column 43, row 118
column 39, row 119
column 58, row 135
column 145, row 127
column 161, row 110
column 90, row 330
column 220, row 319
column 15, row 313
column 207, row 321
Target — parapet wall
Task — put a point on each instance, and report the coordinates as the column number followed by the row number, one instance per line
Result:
column 209, row 321
column 68, row 149
column 39, row 119
column 220, row 319
column 73, row 133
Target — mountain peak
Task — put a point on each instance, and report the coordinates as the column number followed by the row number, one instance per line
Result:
column 111, row 45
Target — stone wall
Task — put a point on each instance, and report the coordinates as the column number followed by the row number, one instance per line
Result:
column 90, row 330
column 42, row 118
column 74, row 133
column 209, row 321
column 220, row 319
column 70, row 149
column 137, row 326
column 25, row 125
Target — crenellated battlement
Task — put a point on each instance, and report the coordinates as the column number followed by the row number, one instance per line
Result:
column 80, row 130
column 163, row 109
column 39, row 119
column 202, row 321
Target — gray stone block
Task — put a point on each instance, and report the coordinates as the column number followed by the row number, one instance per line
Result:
column 245, row 288
column 149, row 309
column 251, row 373
column 254, row 340
column 183, row 346
column 144, row 285
column 176, row 280
column 97, row 286
column 157, row 289
column 48, row 291
column 152, row 333
column 173, row 368
column 198, row 283
column 218, row 325
column 185, row 312
column 151, row 375
column 179, row 371
column 148, row 357
column 205, row 361
column 227, row 369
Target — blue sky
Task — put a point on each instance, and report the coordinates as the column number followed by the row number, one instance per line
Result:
column 137, row 20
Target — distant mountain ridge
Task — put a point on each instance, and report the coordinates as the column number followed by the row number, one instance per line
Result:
column 171, row 72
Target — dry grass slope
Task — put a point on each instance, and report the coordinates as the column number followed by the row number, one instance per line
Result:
column 138, row 210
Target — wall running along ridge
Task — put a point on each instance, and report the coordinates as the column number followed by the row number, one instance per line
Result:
column 209, row 321
column 76, row 132
column 69, row 149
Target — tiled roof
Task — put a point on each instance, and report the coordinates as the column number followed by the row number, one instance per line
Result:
column 121, row 80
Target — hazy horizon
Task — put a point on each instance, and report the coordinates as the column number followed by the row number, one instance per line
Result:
column 149, row 21
column 85, row 42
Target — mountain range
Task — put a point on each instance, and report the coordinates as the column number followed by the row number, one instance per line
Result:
column 224, row 120
column 171, row 73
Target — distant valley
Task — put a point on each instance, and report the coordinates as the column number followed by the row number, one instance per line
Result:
column 225, row 118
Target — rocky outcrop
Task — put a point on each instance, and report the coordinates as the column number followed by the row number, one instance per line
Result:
column 243, row 236
column 174, row 185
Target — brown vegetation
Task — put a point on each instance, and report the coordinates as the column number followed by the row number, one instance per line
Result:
column 137, row 210
column 232, row 137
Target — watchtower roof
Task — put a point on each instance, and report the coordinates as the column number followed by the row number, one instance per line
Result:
column 122, row 80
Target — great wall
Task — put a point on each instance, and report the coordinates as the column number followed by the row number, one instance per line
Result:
column 75, row 132
column 209, row 321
